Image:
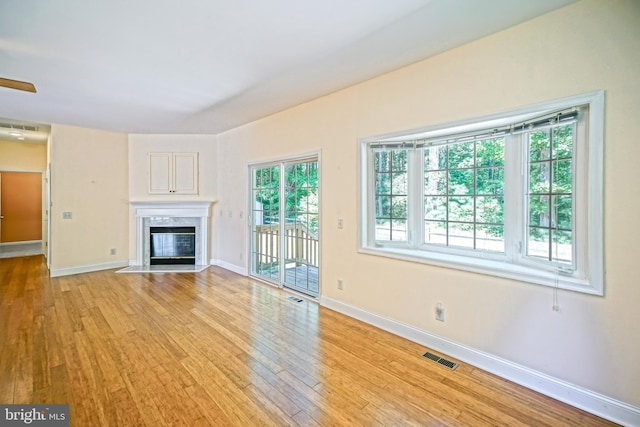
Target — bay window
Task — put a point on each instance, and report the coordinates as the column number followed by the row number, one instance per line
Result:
column 516, row 194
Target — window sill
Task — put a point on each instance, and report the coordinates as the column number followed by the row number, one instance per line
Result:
column 486, row 266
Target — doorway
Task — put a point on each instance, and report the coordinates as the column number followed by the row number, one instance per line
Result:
column 285, row 222
column 21, row 213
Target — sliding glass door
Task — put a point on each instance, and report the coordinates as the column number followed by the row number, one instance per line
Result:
column 285, row 224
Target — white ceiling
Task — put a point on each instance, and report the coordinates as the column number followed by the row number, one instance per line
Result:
column 206, row 66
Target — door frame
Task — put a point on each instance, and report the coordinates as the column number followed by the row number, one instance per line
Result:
column 315, row 155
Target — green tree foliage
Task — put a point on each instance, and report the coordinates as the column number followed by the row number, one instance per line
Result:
column 391, row 193
column 471, row 174
column 551, row 184
column 301, row 195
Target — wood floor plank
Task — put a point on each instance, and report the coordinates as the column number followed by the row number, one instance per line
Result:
column 218, row 349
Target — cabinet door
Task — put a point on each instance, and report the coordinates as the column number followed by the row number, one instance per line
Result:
column 185, row 173
column 160, row 173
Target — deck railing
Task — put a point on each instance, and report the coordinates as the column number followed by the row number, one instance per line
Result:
column 301, row 245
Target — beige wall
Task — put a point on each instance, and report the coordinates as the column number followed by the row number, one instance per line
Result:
column 89, row 178
column 593, row 342
column 18, row 156
column 141, row 145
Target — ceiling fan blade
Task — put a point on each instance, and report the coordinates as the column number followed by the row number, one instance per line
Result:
column 18, row 85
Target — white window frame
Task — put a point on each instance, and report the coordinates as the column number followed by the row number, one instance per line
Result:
column 587, row 276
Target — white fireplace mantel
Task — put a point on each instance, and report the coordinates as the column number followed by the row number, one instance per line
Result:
column 172, row 208
column 156, row 212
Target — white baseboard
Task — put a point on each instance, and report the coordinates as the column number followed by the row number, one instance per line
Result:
column 571, row 394
column 87, row 268
column 232, row 267
column 25, row 242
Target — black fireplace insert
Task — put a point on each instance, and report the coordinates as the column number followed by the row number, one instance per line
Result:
column 172, row 245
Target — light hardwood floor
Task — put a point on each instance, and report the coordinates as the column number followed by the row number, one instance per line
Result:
column 216, row 348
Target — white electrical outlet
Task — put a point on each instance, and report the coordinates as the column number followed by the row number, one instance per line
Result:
column 340, row 223
column 67, row 215
column 340, row 284
column 112, row 251
column 439, row 312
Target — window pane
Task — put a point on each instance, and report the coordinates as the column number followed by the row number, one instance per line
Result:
column 382, row 161
column 490, row 181
column 490, row 238
column 435, row 183
column 274, row 178
column 383, row 183
column 562, row 248
column 391, row 190
column 383, row 229
column 435, row 232
column 490, row 152
column 399, row 183
column 461, row 155
column 538, row 243
column 461, row 235
column 539, row 178
column 399, row 207
column 435, row 158
column 258, row 178
column 550, row 212
column 399, row 160
column 562, row 176
column 490, row 210
column 461, row 181
column 563, row 209
column 539, row 211
column 539, row 145
column 312, row 201
column 383, row 206
column 270, row 199
column 313, row 223
column 474, row 184
column 563, row 141
column 435, row 208
column 461, row 208
column 399, row 230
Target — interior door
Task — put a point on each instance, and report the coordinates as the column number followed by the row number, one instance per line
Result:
column 21, row 206
column 285, row 224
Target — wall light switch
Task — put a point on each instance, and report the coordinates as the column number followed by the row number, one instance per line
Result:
column 340, row 223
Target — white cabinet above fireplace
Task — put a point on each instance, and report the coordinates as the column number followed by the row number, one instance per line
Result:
column 173, row 173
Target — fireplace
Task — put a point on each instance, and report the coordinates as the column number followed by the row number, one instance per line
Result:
column 172, row 245
column 171, row 234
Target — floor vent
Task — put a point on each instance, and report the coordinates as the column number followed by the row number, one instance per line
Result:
column 294, row 299
column 441, row 360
